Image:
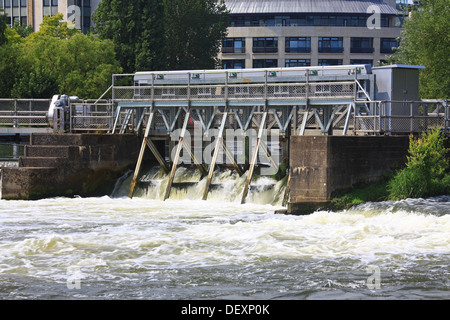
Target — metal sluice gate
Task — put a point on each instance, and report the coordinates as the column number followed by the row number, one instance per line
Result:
column 245, row 99
column 332, row 100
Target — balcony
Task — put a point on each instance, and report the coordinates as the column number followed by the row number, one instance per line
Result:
column 265, row 49
column 361, row 50
column 233, row 50
column 331, row 50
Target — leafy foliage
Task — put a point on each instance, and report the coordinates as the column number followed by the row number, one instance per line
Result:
column 427, row 170
column 136, row 29
column 3, row 27
column 56, row 59
column 194, row 32
column 425, row 41
column 163, row 35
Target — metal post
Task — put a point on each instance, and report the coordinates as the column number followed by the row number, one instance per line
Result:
column 141, row 154
column 254, row 156
column 216, row 152
column 177, row 155
column 158, row 156
column 231, row 158
column 196, row 162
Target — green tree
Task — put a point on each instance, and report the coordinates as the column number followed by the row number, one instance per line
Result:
column 3, row 27
column 157, row 35
column 425, row 41
column 55, row 27
column 136, row 29
column 23, row 31
column 56, row 59
column 194, row 33
column 9, row 68
column 38, row 83
column 427, row 169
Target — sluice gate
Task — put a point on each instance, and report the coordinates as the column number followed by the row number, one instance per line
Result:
column 251, row 121
column 274, row 102
column 266, row 102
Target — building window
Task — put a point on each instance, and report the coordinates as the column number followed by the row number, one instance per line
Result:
column 388, row 45
column 297, row 63
column 265, row 45
column 234, row 64
column 361, row 45
column 270, row 20
column 331, row 45
column 361, row 61
column 265, row 63
column 330, row 62
column 298, row 45
column 233, row 45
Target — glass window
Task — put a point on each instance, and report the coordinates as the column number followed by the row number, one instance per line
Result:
column 297, row 63
column 330, row 62
column 265, row 45
column 361, row 61
column 388, row 45
column 331, row 45
column 233, row 45
column 233, row 64
column 46, row 3
column 265, row 63
column 23, row 3
column 15, row 3
column 301, row 44
column 7, row 3
column 361, row 45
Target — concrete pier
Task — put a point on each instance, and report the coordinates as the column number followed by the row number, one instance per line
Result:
column 323, row 165
column 69, row 164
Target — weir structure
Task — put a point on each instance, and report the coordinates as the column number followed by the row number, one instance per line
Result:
column 325, row 128
column 265, row 100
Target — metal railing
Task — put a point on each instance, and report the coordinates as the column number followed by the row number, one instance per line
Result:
column 24, row 113
column 90, row 115
column 399, row 117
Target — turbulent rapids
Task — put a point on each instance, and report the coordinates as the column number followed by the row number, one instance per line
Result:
column 116, row 247
column 226, row 186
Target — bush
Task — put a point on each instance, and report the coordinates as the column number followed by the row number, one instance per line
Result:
column 427, row 169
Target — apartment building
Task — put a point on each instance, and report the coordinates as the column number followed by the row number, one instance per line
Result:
column 288, row 33
column 32, row 12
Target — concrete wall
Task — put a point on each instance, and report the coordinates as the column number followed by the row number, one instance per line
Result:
column 323, row 165
column 70, row 164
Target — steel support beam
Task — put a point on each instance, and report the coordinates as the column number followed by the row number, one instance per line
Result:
column 141, row 154
column 254, row 157
column 177, row 156
column 216, row 152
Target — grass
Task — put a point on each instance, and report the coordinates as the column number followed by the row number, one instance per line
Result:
column 373, row 192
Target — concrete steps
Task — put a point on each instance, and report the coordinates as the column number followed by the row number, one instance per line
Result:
column 50, row 151
column 69, row 164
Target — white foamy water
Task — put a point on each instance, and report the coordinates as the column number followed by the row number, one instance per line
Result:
column 182, row 248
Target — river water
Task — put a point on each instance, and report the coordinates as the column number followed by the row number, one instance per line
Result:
column 114, row 247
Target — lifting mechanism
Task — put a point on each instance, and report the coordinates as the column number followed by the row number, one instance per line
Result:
column 289, row 100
